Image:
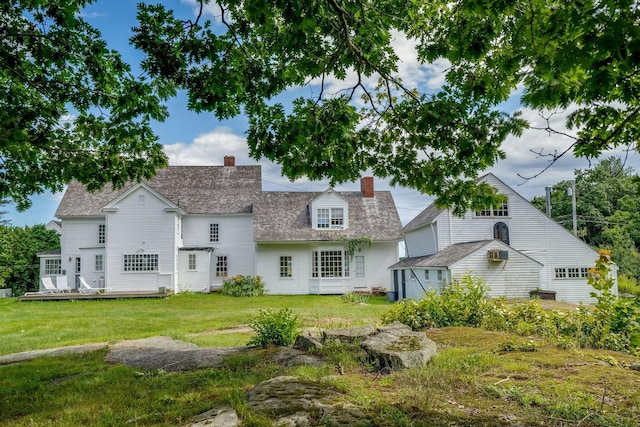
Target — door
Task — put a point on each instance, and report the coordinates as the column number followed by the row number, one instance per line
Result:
column 78, row 271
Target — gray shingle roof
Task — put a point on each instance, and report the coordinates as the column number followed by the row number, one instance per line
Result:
column 284, row 216
column 196, row 189
column 424, row 217
column 445, row 257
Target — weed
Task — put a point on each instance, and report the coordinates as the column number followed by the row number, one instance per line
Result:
column 274, row 328
column 354, row 298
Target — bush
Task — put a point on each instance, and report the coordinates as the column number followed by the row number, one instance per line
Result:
column 628, row 285
column 462, row 303
column 274, row 328
column 243, row 286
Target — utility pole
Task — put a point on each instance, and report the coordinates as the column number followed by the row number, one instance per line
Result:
column 548, row 194
column 573, row 207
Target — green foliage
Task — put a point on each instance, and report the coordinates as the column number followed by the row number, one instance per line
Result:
column 70, row 108
column 243, row 286
column 627, row 285
column 19, row 264
column 612, row 324
column 353, row 245
column 274, row 328
column 461, row 303
column 354, row 298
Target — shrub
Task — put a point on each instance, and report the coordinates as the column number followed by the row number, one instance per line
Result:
column 628, row 285
column 354, row 298
column 243, row 286
column 461, row 303
column 274, row 328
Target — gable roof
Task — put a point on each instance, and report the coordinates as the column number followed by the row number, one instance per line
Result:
column 285, row 216
column 195, row 189
column 425, row 217
column 446, row 257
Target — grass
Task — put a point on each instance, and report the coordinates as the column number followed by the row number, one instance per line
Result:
column 478, row 378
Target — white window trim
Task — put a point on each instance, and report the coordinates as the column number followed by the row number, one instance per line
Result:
column 280, row 265
column 328, row 213
column 136, row 255
column 195, row 262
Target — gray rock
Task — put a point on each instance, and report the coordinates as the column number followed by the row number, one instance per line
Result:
column 51, row 352
column 168, row 354
column 222, row 416
column 635, row 366
column 291, row 401
column 398, row 347
column 307, row 343
column 353, row 334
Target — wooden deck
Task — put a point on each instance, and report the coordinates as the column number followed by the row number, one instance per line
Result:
column 75, row 295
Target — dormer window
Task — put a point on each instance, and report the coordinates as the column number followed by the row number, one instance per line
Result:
column 330, row 218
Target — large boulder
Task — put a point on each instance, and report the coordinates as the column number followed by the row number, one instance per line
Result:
column 292, row 401
column 353, row 334
column 398, row 347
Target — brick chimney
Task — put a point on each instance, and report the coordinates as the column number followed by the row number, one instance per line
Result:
column 366, row 186
column 229, row 160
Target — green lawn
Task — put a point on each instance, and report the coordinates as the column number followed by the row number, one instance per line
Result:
column 38, row 325
column 472, row 381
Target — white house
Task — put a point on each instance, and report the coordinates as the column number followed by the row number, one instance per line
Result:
column 190, row 227
column 515, row 247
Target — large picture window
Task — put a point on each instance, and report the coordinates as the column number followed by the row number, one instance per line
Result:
column 52, row 267
column 328, row 264
column 140, row 262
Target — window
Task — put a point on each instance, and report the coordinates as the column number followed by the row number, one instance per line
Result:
column 221, row 266
column 52, row 266
column 337, row 218
column 286, row 266
column 327, row 264
column 359, row 259
column 561, row 273
column 330, row 218
column 323, row 218
column 99, row 262
column 214, row 233
column 141, row 199
column 140, row 262
column 440, row 275
column 501, row 211
column 192, row 262
column 501, row 232
column 574, row 272
column 571, row 272
column 101, row 233
column 426, row 275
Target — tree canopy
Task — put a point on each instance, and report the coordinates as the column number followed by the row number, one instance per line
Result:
column 69, row 108
column 558, row 54
column 607, row 206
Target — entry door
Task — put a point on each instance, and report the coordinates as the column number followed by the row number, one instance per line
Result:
column 78, row 271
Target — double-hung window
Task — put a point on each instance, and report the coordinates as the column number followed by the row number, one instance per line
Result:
column 101, row 233
column 192, row 262
column 99, row 262
column 221, row 266
column 330, row 218
column 286, row 266
column 214, row 233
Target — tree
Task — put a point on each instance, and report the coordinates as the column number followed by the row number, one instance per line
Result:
column 19, row 268
column 607, row 205
column 3, row 221
column 69, row 108
column 560, row 53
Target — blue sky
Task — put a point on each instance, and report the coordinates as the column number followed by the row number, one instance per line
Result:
column 201, row 139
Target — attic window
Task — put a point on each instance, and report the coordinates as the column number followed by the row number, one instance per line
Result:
column 330, row 218
column 501, row 211
column 141, row 199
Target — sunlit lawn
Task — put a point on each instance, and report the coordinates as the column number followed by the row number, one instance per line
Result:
column 37, row 325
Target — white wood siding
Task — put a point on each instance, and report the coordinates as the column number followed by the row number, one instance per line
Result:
column 513, row 278
column 532, row 233
column 235, row 242
column 80, row 240
column 422, row 241
column 198, row 279
column 141, row 228
column 377, row 258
